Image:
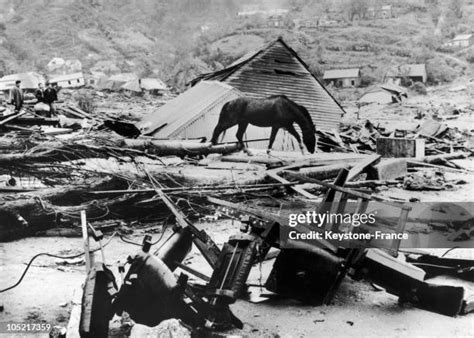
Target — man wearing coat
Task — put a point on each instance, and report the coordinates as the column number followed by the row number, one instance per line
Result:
column 50, row 95
column 16, row 96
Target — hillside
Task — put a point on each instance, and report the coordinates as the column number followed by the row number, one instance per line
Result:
column 180, row 39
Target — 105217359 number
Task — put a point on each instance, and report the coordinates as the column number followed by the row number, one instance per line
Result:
column 24, row 327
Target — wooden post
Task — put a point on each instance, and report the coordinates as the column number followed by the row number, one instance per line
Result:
column 85, row 237
column 402, row 220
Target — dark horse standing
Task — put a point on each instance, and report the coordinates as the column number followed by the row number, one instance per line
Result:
column 274, row 111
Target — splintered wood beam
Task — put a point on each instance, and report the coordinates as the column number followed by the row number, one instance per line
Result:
column 295, row 188
column 360, row 167
column 13, row 117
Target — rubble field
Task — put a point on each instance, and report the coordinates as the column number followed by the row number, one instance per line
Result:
column 130, row 187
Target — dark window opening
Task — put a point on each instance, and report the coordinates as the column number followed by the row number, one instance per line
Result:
column 284, row 72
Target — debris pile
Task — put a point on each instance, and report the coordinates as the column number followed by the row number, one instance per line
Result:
column 87, row 172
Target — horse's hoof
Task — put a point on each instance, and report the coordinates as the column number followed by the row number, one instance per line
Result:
column 269, row 151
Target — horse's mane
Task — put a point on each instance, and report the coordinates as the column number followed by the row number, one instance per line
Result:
column 302, row 108
column 306, row 114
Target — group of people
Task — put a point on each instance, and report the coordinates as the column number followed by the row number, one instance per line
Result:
column 46, row 95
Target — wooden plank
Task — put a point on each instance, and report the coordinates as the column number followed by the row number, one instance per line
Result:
column 11, row 118
column 72, row 330
column 295, row 188
column 349, row 191
column 85, row 238
column 434, row 159
column 412, row 164
column 359, row 167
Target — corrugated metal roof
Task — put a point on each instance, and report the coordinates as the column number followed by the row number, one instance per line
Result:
column 276, row 69
column 408, row 70
column 341, row 73
column 170, row 119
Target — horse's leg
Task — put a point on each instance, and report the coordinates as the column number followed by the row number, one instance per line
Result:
column 240, row 134
column 217, row 131
column 295, row 134
column 272, row 138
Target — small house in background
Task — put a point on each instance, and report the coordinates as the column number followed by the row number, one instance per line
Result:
column 380, row 12
column 276, row 21
column 153, row 86
column 132, row 87
column 342, row 78
column 95, row 79
column 413, row 72
column 383, row 94
column 69, row 80
column 29, row 81
column 115, row 82
column 461, row 40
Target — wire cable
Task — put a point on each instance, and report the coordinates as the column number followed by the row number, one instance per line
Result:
column 53, row 256
column 31, row 262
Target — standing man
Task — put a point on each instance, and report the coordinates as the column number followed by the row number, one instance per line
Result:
column 39, row 92
column 49, row 96
column 16, row 96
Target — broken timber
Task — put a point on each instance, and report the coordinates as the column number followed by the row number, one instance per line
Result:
column 179, row 148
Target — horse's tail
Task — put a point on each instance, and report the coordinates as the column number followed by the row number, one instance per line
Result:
column 221, row 123
column 223, row 114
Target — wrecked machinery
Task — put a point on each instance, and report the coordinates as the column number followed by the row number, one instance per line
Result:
column 150, row 292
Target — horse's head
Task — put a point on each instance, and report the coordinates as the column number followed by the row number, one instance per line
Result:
column 308, row 129
column 309, row 140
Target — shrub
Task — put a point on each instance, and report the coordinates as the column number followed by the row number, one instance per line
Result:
column 367, row 77
column 439, row 71
column 419, row 88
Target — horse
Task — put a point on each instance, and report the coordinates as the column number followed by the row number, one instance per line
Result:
column 276, row 111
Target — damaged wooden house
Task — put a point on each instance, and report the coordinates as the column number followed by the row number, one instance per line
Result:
column 274, row 69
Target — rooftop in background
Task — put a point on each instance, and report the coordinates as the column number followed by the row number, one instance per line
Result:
column 407, row 70
column 28, row 80
column 341, row 73
column 152, row 84
column 462, row 37
column 66, row 77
